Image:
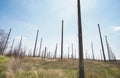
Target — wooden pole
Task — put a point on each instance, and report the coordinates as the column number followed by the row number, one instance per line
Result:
column 12, row 47
column 72, row 51
column 45, row 52
column 40, row 47
column 86, row 55
column 68, row 52
column 80, row 44
column 56, row 51
column 62, row 41
column 101, row 43
column 19, row 48
column 101, row 54
column 35, row 43
column 107, row 47
column 92, row 50
column 75, row 54
column 6, row 41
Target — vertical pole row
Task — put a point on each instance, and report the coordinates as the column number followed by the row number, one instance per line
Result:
column 80, row 44
column 35, row 43
column 62, row 41
column 101, row 43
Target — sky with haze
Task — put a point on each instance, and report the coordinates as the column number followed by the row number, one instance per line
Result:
column 25, row 17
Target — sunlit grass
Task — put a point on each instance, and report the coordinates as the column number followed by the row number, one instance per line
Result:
column 2, row 65
column 3, row 59
column 67, row 68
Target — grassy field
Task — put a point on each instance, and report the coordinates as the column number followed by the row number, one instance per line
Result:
column 3, row 69
column 68, row 68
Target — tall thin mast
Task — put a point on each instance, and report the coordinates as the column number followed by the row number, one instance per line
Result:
column 35, row 43
column 80, row 44
column 107, row 48
column 62, row 41
column 92, row 50
column 40, row 47
column 101, row 43
column 6, row 41
column 55, row 55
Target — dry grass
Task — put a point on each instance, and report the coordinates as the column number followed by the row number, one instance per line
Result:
column 39, row 68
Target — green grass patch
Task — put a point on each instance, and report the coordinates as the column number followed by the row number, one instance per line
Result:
column 2, row 66
column 3, row 59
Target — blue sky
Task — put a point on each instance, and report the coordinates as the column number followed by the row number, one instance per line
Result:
column 26, row 16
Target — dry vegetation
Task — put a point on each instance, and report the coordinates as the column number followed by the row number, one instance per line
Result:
column 45, row 68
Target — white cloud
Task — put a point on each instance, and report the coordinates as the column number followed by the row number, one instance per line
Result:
column 116, row 28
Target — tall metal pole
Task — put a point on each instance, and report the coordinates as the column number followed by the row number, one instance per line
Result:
column 101, row 54
column 75, row 54
column 107, row 47
column 19, row 48
column 12, row 47
column 45, row 52
column 68, row 53
column 92, row 50
column 40, row 47
column 102, row 43
column 80, row 44
column 56, row 51
column 62, row 41
column 86, row 55
column 35, row 43
column 72, row 51
column 6, row 41
column 12, row 44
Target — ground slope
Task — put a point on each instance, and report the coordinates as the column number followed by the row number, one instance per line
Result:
column 49, row 68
